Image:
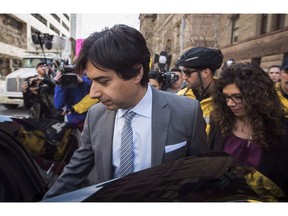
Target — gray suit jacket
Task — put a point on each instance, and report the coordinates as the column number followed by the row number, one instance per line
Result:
column 175, row 119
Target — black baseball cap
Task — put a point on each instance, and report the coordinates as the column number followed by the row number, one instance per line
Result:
column 201, row 58
column 284, row 65
column 39, row 64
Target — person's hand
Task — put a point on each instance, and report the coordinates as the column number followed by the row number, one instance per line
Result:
column 24, row 86
column 46, row 69
column 34, row 85
column 68, row 111
column 58, row 76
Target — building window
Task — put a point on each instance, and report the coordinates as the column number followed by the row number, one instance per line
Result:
column 235, row 28
column 13, row 23
column 67, row 17
column 56, row 17
column 65, row 26
column 168, row 46
column 278, row 21
column 53, row 28
column 40, row 18
column 264, row 24
column 33, row 30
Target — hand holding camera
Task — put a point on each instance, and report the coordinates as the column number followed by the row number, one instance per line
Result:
column 168, row 78
column 32, row 84
column 67, row 77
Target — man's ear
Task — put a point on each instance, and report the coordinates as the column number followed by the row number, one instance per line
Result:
column 206, row 72
column 139, row 74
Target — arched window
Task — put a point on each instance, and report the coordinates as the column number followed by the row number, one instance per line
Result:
column 168, row 46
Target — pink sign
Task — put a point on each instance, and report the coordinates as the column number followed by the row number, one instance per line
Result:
column 78, row 45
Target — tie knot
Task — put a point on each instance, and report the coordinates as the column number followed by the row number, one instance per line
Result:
column 129, row 116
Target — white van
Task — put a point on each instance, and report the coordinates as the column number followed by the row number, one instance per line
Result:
column 10, row 91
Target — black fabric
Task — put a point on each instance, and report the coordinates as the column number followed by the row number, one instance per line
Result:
column 209, row 177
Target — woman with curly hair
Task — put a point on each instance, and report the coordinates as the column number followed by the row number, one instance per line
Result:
column 248, row 121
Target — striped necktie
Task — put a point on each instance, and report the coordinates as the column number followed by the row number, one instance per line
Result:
column 126, row 158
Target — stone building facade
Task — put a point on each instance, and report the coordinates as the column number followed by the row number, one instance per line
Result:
column 259, row 38
column 13, row 42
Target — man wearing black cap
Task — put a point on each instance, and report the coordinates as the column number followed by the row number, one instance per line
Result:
column 38, row 94
column 199, row 65
column 282, row 86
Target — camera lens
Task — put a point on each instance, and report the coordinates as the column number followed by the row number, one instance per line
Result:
column 69, row 80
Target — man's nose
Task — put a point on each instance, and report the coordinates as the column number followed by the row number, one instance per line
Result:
column 95, row 92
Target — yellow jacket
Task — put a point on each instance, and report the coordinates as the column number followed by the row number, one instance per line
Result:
column 282, row 98
column 206, row 105
column 83, row 105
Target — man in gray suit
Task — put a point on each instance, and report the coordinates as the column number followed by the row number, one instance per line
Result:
column 166, row 127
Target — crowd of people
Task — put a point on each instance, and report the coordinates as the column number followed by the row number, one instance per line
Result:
column 47, row 97
column 242, row 111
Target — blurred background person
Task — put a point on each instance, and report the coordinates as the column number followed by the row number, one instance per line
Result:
column 282, row 86
column 70, row 91
column 274, row 73
column 177, row 84
column 38, row 93
column 155, row 79
column 248, row 121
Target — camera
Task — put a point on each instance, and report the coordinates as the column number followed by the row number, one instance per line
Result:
column 168, row 78
column 35, row 82
column 69, row 78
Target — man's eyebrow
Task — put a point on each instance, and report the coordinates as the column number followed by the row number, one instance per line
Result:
column 99, row 78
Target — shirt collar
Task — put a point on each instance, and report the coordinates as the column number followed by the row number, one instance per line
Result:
column 143, row 108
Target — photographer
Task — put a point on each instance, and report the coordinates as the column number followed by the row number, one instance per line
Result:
column 155, row 79
column 70, row 89
column 38, row 94
column 175, row 80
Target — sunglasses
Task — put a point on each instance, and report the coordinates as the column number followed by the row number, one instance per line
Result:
column 188, row 72
column 236, row 98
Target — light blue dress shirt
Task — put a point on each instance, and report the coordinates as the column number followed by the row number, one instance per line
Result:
column 141, row 126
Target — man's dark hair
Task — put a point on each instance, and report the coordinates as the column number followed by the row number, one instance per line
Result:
column 120, row 48
column 176, row 69
column 154, row 74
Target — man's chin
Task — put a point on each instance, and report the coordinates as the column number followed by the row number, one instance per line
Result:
column 110, row 106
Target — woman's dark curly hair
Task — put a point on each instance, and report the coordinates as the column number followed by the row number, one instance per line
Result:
column 263, row 107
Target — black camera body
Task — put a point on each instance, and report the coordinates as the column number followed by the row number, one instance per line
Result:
column 168, row 78
column 69, row 78
column 34, row 83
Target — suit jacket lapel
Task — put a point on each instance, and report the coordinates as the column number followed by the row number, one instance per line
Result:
column 107, row 129
column 160, row 123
